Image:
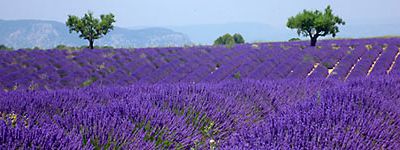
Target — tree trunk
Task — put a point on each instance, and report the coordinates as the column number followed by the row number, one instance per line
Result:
column 314, row 41
column 91, row 44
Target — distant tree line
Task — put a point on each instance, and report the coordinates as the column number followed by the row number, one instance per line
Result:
column 65, row 47
column 4, row 47
column 294, row 39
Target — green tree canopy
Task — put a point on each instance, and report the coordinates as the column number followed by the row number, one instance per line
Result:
column 89, row 27
column 315, row 24
column 4, row 47
column 238, row 38
column 226, row 39
column 229, row 40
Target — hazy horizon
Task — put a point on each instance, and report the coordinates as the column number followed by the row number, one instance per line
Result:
column 203, row 21
column 155, row 13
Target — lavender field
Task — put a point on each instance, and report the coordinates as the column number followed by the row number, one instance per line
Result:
column 341, row 94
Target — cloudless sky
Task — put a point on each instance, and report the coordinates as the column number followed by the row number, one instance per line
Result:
column 130, row 13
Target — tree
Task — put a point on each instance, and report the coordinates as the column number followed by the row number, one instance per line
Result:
column 238, row 38
column 229, row 40
column 226, row 39
column 89, row 27
column 315, row 24
column 4, row 47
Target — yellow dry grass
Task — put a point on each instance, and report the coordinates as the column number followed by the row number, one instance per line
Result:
column 330, row 71
column 374, row 63
column 394, row 62
column 312, row 70
column 352, row 68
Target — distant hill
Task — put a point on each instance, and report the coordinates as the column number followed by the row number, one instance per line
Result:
column 48, row 34
column 254, row 32
column 369, row 30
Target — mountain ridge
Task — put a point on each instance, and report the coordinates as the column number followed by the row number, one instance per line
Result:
column 29, row 33
column 48, row 34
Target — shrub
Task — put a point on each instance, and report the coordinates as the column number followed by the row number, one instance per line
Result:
column 229, row 40
column 4, row 47
column 294, row 39
column 237, row 75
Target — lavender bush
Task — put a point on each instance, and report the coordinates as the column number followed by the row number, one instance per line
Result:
column 342, row 94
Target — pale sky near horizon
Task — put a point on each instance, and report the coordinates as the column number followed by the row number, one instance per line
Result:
column 130, row 13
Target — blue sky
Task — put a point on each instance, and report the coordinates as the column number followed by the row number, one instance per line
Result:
column 130, row 13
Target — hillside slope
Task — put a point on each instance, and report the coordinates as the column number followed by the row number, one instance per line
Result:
column 48, row 34
column 53, row 69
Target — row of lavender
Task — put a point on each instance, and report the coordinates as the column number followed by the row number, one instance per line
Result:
column 339, row 59
column 249, row 114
